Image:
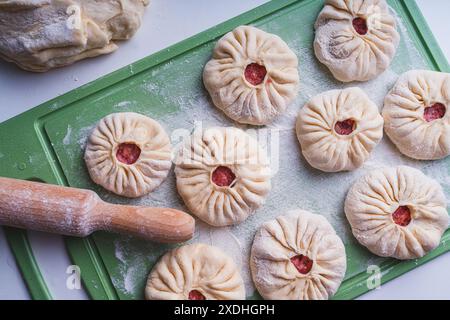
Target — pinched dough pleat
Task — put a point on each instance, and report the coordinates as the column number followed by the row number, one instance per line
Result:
column 404, row 114
column 349, row 55
column 242, row 101
column 372, row 200
column 119, row 19
column 207, row 150
column 140, row 177
column 280, row 240
column 199, row 267
column 322, row 146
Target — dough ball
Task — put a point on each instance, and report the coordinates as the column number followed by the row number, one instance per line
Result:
column 222, row 175
column 39, row 35
column 338, row 129
column 252, row 76
column 416, row 117
column 195, row 272
column 128, row 154
column 297, row 256
column 356, row 39
column 397, row 212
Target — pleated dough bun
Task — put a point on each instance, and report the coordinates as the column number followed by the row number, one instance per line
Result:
column 128, row 154
column 195, row 272
column 356, row 39
column 397, row 212
column 252, row 76
column 338, row 129
column 297, row 256
column 222, row 175
column 416, row 117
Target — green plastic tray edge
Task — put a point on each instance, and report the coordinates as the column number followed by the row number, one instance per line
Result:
column 423, row 33
column 24, row 254
column 93, row 272
column 84, row 252
column 355, row 287
column 89, row 248
column 94, row 277
column 18, row 242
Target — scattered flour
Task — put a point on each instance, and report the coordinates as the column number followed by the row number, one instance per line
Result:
column 66, row 140
column 128, row 283
column 124, row 104
column 55, row 105
column 295, row 184
column 84, row 134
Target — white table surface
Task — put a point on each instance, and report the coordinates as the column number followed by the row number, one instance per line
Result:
column 168, row 22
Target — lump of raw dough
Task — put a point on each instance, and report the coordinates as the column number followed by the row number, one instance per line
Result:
column 222, row 175
column 128, row 154
column 338, row 129
column 356, row 39
column 21, row 4
column 252, row 76
column 297, row 256
column 195, row 272
column 41, row 35
column 416, row 116
column 397, row 212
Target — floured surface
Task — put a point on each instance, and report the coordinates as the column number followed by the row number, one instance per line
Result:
column 173, row 94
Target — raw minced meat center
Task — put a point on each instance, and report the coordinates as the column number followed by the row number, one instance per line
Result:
column 436, row 111
column 196, row 295
column 344, row 128
column 223, row 176
column 128, row 153
column 302, row 263
column 255, row 73
column 402, row 216
column 360, row 25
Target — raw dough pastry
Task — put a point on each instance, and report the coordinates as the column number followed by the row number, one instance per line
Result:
column 252, row 76
column 40, row 35
column 128, row 154
column 195, row 272
column 297, row 257
column 19, row 4
column 416, row 117
column 338, row 129
column 356, row 39
column 397, row 212
column 222, row 175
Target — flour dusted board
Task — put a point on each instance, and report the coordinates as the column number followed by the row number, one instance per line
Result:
column 172, row 92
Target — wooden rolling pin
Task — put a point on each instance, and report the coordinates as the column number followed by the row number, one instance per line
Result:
column 78, row 212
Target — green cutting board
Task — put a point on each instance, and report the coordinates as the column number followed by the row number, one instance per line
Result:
column 46, row 143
